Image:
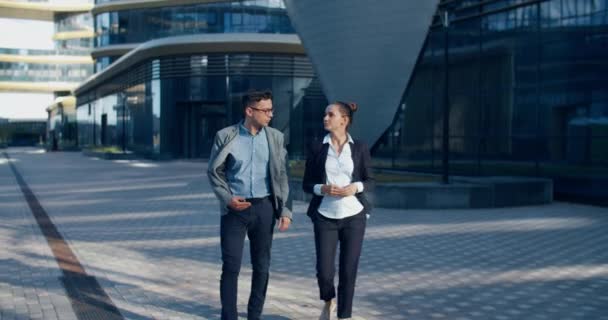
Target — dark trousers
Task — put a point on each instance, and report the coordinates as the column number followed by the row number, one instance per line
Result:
column 257, row 222
column 328, row 233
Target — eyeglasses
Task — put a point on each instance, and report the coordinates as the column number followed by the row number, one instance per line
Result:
column 266, row 111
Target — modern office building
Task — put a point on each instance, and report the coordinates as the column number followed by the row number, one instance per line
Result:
column 169, row 74
column 44, row 54
column 527, row 83
column 4, row 132
column 526, row 80
column 22, row 132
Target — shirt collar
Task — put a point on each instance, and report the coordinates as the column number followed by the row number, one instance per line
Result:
column 327, row 138
column 243, row 130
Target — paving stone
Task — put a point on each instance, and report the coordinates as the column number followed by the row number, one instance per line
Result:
column 149, row 233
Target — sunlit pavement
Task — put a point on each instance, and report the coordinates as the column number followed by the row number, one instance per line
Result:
column 148, row 231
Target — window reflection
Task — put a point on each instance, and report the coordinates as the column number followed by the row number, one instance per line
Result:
column 139, row 25
column 178, row 116
column 528, row 93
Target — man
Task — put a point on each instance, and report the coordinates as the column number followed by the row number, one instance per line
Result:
column 247, row 172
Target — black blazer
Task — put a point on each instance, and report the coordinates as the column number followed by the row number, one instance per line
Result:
column 314, row 173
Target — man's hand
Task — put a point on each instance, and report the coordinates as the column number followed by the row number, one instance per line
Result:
column 238, row 204
column 284, row 223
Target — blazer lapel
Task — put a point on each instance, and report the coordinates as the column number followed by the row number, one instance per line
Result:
column 321, row 158
column 354, row 154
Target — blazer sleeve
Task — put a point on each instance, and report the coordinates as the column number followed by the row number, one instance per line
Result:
column 284, row 181
column 308, row 182
column 217, row 176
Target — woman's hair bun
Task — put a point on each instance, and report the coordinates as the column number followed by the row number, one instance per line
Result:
column 353, row 106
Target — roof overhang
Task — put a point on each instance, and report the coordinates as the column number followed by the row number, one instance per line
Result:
column 113, row 50
column 46, row 59
column 39, row 10
column 67, row 102
column 141, row 4
column 198, row 44
column 23, row 86
column 77, row 34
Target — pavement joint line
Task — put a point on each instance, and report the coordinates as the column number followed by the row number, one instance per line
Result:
column 89, row 300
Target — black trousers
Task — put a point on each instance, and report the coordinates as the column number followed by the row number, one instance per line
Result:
column 349, row 233
column 257, row 222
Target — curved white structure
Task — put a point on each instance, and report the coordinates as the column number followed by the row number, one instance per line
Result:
column 364, row 51
column 199, row 43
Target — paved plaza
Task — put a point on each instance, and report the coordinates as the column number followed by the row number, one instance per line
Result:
column 149, row 233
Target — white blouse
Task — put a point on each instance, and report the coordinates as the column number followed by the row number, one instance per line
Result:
column 339, row 171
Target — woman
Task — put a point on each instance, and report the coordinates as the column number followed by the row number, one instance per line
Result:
column 338, row 174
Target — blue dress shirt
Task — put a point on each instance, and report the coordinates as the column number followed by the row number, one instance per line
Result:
column 247, row 166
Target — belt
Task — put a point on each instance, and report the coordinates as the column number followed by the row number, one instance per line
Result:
column 257, row 200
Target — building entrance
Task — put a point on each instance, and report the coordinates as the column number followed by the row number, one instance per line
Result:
column 200, row 121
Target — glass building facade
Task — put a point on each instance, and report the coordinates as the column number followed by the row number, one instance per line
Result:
column 179, row 103
column 40, row 66
column 140, row 25
column 74, row 32
column 528, row 95
column 171, row 106
column 44, row 54
column 104, row 62
column 22, row 132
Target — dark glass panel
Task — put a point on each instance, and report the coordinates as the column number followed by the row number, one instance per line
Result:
column 178, row 115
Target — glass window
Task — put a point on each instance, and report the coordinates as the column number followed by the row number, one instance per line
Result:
column 179, row 116
column 139, row 25
column 538, row 105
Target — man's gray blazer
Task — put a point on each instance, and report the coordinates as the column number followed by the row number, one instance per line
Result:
column 278, row 173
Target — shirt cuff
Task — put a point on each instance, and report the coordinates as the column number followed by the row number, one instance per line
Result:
column 359, row 186
column 317, row 189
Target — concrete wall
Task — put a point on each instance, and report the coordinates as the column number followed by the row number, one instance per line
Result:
column 364, row 51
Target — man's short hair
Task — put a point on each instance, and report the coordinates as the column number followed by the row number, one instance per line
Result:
column 253, row 96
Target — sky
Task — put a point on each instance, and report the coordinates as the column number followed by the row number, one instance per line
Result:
column 17, row 105
column 25, row 34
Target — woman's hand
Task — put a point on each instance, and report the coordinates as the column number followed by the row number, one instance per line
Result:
column 330, row 190
column 348, row 191
column 335, row 191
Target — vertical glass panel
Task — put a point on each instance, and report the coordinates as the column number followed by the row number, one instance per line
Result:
column 569, row 8
column 550, row 13
column 156, row 105
column 110, row 106
column 84, row 117
column 139, row 119
column 464, row 79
